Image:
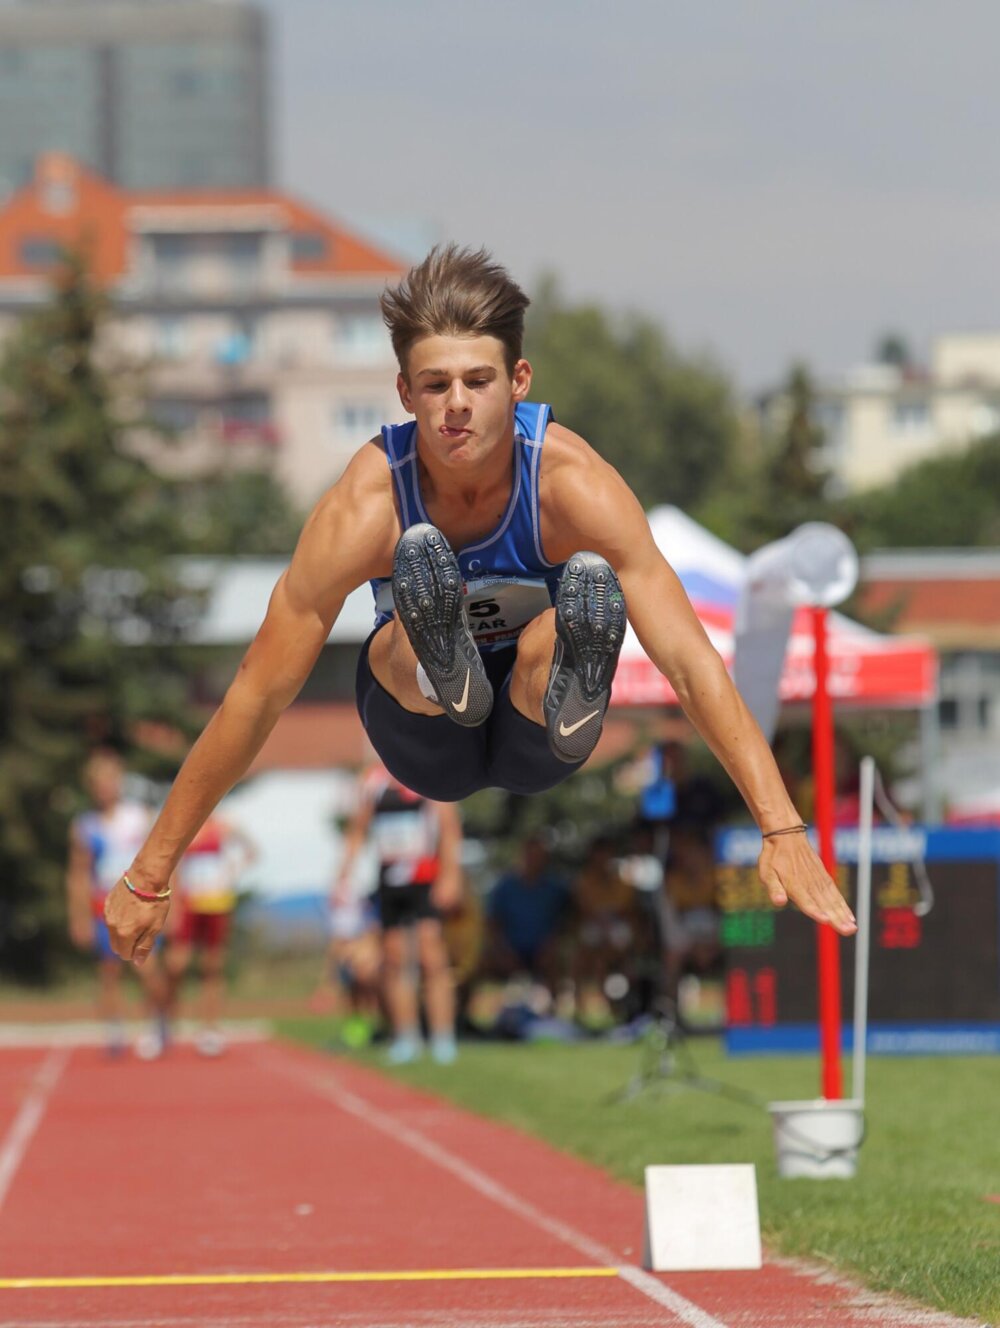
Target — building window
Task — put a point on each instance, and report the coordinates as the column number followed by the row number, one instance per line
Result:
column 171, row 257
column 175, row 414
column 986, row 419
column 39, row 251
column 309, row 247
column 247, row 418
column 247, row 407
column 171, row 338
column 242, row 253
column 362, row 339
column 911, row 415
column 187, row 82
column 970, row 692
column 355, row 422
column 237, row 346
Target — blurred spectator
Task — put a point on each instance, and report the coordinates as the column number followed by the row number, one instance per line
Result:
column 417, row 845
column 698, row 803
column 465, row 941
column 206, row 880
column 690, row 919
column 103, row 843
column 642, row 867
column 526, row 912
column 349, row 984
column 607, row 918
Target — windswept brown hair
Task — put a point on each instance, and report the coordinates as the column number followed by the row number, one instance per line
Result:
column 456, row 292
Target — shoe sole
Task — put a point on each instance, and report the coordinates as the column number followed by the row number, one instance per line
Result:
column 590, row 628
column 429, row 597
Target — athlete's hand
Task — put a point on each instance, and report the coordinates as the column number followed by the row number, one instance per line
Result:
column 133, row 923
column 446, row 892
column 791, row 870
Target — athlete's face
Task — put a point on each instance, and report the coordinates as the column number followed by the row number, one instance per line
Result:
column 462, row 394
column 103, row 780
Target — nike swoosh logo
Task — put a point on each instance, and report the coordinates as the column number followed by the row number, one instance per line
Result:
column 463, row 705
column 572, row 728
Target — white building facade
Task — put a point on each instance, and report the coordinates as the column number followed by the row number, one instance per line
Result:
column 253, row 320
column 880, row 419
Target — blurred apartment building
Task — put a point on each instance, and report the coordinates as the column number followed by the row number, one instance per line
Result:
column 952, row 597
column 880, row 418
column 254, row 317
column 149, row 94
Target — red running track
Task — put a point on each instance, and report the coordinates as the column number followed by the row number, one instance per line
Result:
column 277, row 1162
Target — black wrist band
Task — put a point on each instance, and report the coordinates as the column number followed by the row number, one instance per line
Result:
column 788, row 830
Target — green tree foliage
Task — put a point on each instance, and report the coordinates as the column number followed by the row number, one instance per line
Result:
column 944, row 502
column 242, row 514
column 893, row 349
column 93, row 616
column 786, row 484
column 667, row 422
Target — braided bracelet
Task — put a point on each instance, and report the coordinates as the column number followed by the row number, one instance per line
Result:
column 799, row 829
column 144, row 895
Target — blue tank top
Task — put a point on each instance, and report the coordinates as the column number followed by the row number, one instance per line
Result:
column 508, row 579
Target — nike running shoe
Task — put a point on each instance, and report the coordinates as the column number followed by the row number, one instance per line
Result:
column 428, row 593
column 590, row 627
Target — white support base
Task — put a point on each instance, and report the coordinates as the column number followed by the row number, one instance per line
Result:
column 701, row 1218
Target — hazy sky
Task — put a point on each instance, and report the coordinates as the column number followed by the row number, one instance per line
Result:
column 768, row 178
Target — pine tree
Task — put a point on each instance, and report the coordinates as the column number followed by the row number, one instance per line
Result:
column 90, row 640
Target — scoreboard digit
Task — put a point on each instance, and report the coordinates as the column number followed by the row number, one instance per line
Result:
column 934, row 980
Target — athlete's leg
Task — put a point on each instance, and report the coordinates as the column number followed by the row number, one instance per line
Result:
column 426, row 753
column 110, row 1001
column 175, row 965
column 158, row 994
column 439, row 987
column 529, row 679
column 399, row 978
column 394, row 666
column 212, row 984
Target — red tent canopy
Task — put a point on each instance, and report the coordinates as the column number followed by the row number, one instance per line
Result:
column 866, row 668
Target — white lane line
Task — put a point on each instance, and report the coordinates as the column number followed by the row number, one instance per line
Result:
column 326, row 1086
column 28, row 1119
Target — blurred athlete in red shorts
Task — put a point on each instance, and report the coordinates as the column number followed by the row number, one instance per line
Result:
column 206, row 880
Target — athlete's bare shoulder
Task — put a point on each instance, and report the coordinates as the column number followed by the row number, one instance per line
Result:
column 350, row 535
column 583, row 500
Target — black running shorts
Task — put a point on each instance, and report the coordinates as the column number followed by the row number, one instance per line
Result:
column 441, row 760
column 405, row 906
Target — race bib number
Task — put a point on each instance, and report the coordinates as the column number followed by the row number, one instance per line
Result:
column 497, row 607
column 400, row 835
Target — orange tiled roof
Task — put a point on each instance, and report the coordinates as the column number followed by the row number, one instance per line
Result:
column 950, row 612
column 938, row 601
column 69, row 206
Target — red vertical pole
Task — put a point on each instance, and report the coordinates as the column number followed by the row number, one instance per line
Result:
column 827, row 939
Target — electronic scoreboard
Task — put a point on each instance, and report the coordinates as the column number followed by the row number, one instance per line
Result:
column 934, row 973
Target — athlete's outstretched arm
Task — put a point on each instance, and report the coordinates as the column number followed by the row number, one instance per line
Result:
column 342, row 544
column 600, row 512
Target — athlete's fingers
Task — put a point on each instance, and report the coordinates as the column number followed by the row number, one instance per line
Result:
column 775, row 890
column 142, row 946
column 838, row 913
column 122, row 942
